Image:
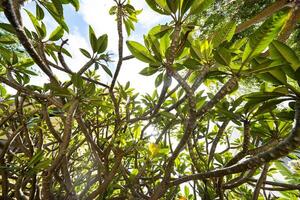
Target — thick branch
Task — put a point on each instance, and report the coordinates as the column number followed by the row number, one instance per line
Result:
column 47, row 176
column 279, row 4
column 260, row 182
column 282, row 149
column 290, row 25
column 103, row 186
column 282, row 185
column 11, row 15
column 120, row 48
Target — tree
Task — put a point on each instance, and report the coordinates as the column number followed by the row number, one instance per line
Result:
column 229, row 125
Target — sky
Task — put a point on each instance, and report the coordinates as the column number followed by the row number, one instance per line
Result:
column 95, row 13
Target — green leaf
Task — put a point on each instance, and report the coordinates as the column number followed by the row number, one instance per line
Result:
column 35, row 159
column 24, row 63
column 58, row 7
column 279, row 75
column 199, row 6
column 160, row 30
column 297, row 75
column 43, row 30
column 264, row 35
column 186, row 191
column 148, row 71
column 58, row 90
column 2, row 91
column 77, row 80
column 158, row 80
column 163, row 4
column 106, row 69
column 113, row 10
column 154, row 44
column 90, row 89
column 223, row 56
column 53, row 12
column 269, row 106
column 226, row 32
column 262, row 67
column 93, row 39
column 14, row 59
column 173, row 5
column 102, row 43
column 56, row 34
column 35, row 23
column 156, row 7
column 140, row 52
column 85, row 53
column 8, row 27
column 39, row 12
column 191, row 64
column 137, row 131
column 134, row 172
column 263, row 96
column 168, row 115
column 186, row 5
column 128, row 26
column 281, row 51
column 283, row 169
column 75, row 3
column 29, row 72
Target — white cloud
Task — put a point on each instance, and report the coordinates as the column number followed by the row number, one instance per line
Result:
column 147, row 18
column 75, row 42
column 95, row 13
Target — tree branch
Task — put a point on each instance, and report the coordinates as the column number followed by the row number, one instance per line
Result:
column 11, row 15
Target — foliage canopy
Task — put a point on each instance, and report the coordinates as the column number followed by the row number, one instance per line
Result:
column 223, row 125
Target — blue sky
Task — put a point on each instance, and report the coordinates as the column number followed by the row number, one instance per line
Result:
column 95, row 13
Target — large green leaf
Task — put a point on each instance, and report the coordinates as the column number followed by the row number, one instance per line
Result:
column 269, row 106
column 58, row 7
column 85, row 53
column 223, row 56
column 163, row 4
column 39, row 29
column 199, row 6
column 264, row 67
column 264, row 35
column 56, row 34
column 156, row 7
column 153, row 43
column 275, row 76
column 93, row 39
column 75, row 3
column 186, row 5
column 107, row 70
column 140, row 52
column 173, row 5
column 158, row 80
column 148, row 71
column 39, row 12
column 102, row 43
column 160, row 30
column 8, row 28
column 54, row 13
column 226, row 32
column 77, row 80
column 280, row 51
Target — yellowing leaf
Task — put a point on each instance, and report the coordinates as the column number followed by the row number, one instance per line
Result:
column 182, row 198
column 154, row 149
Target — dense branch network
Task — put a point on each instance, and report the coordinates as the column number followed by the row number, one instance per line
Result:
column 83, row 139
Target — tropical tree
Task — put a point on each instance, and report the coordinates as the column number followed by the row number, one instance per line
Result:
column 224, row 125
